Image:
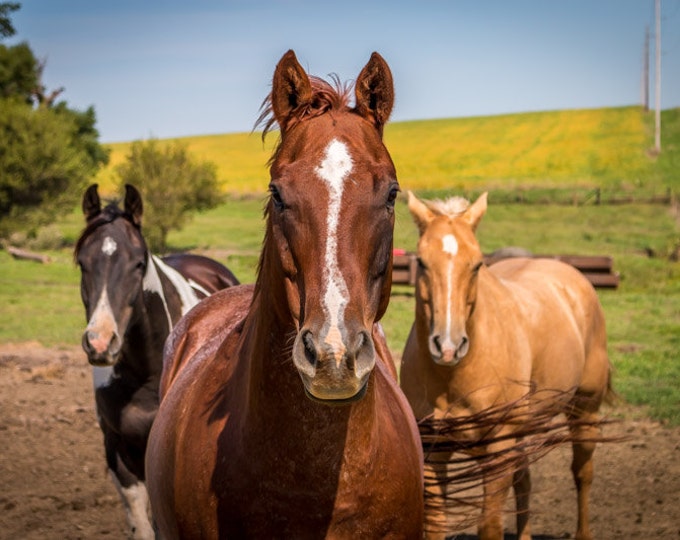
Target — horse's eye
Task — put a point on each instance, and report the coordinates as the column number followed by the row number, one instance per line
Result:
column 276, row 197
column 141, row 265
column 421, row 264
column 392, row 196
column 476, row 267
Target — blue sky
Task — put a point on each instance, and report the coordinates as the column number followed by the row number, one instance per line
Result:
column 174, row 68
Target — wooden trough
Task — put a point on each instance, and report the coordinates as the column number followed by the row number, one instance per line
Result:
column 599, row 269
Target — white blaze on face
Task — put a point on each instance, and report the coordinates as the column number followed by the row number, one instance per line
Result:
column 450, row 246
column 333, row 170
column 109, row 246
column 102, row 324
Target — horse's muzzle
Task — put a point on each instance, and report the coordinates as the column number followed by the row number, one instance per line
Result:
column 445, row 352
column 101, row 351
column 332, row 371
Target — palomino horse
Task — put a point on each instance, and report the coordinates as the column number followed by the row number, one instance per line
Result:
column 132, row 300
column 281, row 415
column 483, row 335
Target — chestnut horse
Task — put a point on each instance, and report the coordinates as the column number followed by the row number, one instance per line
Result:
column 132, row 299
column 281, row 416
column 483, row 335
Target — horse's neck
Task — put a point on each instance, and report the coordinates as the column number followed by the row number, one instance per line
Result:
column 163, row 279
column 153, row 318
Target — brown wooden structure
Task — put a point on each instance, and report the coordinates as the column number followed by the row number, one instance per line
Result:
column 599, row 269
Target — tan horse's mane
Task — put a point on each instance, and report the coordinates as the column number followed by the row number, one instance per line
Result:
column 451, row 207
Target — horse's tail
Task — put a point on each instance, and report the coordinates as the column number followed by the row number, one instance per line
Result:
column 611, row 396
column 521, row 432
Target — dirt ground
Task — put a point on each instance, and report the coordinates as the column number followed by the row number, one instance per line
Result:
column 53, row 483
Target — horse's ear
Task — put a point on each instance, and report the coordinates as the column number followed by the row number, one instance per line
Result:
column 133, row 204
column 374, row 91
column 476, row 211
column 421, row 214
column 92, row 205
column 291, row 89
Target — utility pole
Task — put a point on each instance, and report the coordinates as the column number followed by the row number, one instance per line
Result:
column 645, row 72
column 657, row 130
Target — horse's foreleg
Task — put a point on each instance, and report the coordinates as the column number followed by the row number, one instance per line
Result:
column 582, row 469
column 522, row 486
column 495, row 494
column 132, row 490
column 136, row 502
column 435, row 496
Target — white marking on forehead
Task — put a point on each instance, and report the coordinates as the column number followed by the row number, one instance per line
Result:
column 449, row 244
column 109, row 246
column 333, row 170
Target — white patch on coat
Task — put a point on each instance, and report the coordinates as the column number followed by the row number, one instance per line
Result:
column 152, row 283
column 101, row 376
column 184, row 289
column 136, row 502
column 198, row 287
column 333, row 170
column 109, row 246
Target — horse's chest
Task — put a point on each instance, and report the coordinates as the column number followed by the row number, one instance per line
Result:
column 126, row 410
column 291, row 486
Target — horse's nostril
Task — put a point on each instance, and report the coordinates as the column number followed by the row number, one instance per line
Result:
column 87, row 347
column 463, row 347
column 437, row 343
column 310, row 349
column 115, row 344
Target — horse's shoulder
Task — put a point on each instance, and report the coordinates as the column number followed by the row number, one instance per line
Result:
column 201, row 331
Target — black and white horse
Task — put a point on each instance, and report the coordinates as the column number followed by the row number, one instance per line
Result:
column 132, row 300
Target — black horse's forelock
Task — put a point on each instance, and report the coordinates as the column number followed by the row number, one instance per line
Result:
column 108, row 215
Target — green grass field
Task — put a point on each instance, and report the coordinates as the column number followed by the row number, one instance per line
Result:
column 42, row 302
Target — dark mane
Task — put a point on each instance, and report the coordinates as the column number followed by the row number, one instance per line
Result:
column 109, row 214
column 325, row 97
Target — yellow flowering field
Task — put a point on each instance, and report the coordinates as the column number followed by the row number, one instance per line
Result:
column 594, row 147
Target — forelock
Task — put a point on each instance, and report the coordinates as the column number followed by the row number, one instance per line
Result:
column 452, row 207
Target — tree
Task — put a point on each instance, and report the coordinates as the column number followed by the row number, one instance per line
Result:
column 172, row 185
column 44, row 166
column 6, row 26
column 19, row 72
column 48, row 152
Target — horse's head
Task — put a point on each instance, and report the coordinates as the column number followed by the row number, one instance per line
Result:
column 112, row 256
column 330, row 221
column 449, row 260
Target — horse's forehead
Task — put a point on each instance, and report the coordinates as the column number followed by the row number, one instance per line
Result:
column 451, row 237
column 117, row 237
column 313, row 141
